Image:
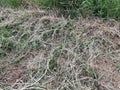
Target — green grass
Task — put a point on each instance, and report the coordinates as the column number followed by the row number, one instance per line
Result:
column 73, row 8
column 15, row 41
column 101, row 8
column 104, row 8
column 10, row 3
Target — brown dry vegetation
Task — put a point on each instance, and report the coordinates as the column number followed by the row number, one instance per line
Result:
column 55, row 53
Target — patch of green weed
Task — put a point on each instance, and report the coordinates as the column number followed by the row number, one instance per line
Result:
column 11, row 3
column 53, row 61
column 90, row 72
column 118, row 66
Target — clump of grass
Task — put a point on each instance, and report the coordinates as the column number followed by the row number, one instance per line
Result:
column 74, row 8
column 11, row 3
column 101, row 8
column 53, row 61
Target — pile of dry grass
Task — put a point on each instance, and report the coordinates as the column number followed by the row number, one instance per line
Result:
column 58, row 54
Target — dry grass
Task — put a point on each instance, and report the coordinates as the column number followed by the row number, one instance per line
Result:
column 39, row 51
